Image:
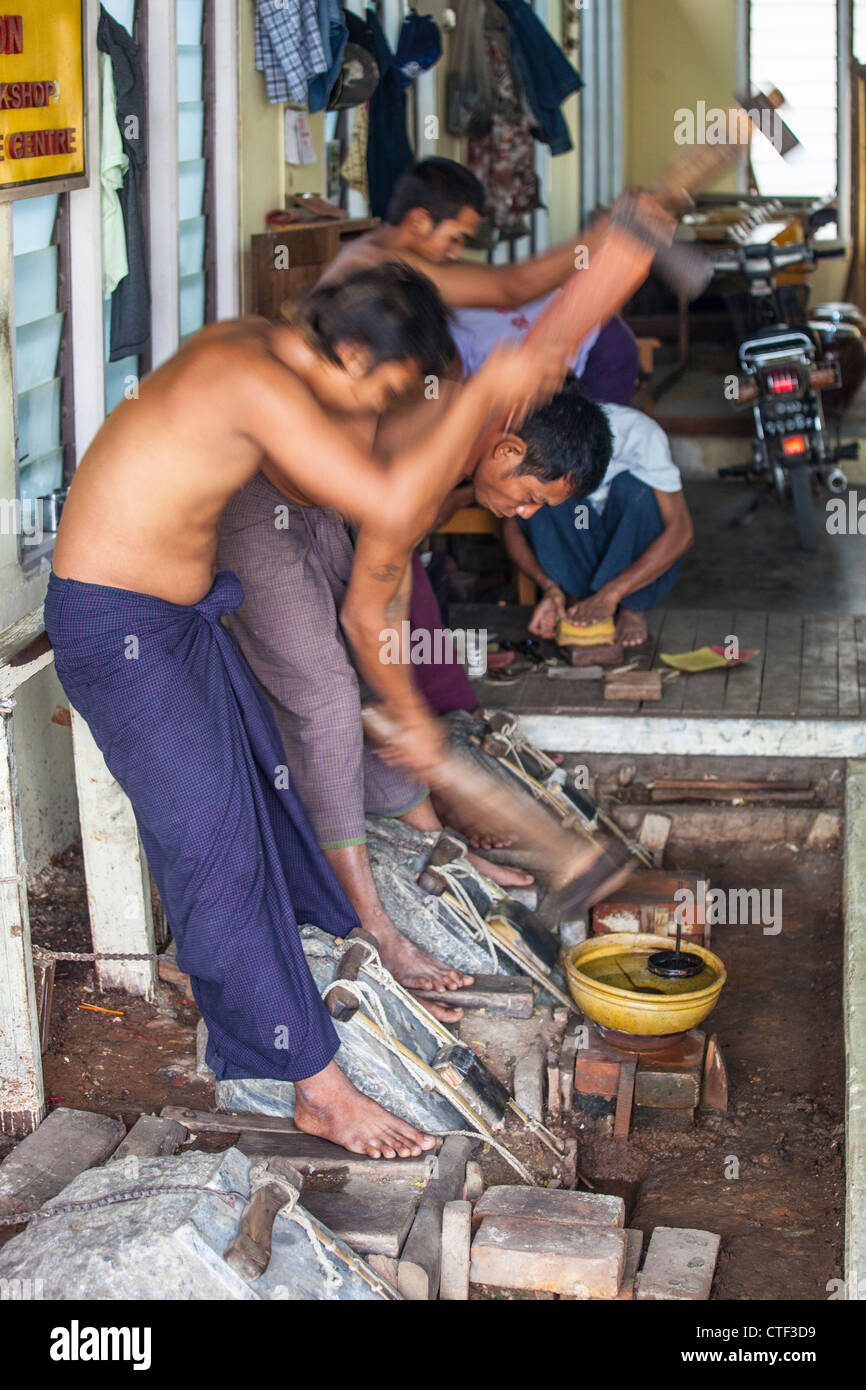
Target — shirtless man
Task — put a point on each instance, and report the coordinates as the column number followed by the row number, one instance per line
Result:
column 134, row 615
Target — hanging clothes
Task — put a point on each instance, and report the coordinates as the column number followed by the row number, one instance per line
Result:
column 130, row 302
column 504, row 159
column 419, row 47
column 388, row 150
column 288, row 48
column 354, row 168
column 468, row 95
column 544, row 71
column 113, row 164
column 334, row 33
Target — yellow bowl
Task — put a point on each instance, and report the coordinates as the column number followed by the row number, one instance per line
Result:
column 643, row 1014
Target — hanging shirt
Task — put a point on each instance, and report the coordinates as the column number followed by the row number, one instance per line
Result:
column 113, row 164
column 388, row 150
column 334, row 33
column 544, row 71
column 288, row 47
column 130, row 302
column 478, row 331
column 640, row 447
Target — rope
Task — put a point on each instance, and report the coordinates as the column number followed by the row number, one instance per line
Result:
column 333, row 1279
column 464, row 905
column 426, row 1076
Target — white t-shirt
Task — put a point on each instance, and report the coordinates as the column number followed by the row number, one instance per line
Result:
column 478, row 331
column 641, row 447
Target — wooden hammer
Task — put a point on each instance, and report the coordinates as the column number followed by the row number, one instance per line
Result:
column 274, row 1186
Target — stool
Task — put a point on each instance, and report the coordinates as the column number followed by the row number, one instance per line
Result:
column 477, row 521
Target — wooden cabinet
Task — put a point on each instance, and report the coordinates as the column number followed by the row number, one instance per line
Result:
column 287, row 263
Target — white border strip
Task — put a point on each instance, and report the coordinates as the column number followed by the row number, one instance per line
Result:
column 854, row 1010
column 637, row 734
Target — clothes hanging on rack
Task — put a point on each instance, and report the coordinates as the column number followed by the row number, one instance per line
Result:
column 334, row 33
column 545, row 73
column 289, row 48
column 354, row 168
column 419, row 47
column 504, row 158
column 113, row 164
column 388, row 150
column 130, row 302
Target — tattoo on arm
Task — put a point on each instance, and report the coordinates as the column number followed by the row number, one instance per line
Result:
column 385, row 574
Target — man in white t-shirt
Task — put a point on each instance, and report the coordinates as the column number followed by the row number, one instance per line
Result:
column 616, row 550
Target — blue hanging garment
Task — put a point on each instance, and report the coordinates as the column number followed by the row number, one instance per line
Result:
column 545, row 72
column 419, row 47
column 388, row 150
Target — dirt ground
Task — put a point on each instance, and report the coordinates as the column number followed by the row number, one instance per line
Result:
column 779, row 1024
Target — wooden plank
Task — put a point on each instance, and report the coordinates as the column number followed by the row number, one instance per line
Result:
column 421, row 1261
column 704, row 692
column 780, row 688
column 64, row 1145
column 819, row 677
column 849, row 688
column 743, row 691
column 372, row 1218
column 677, row 635
column 310, row 1154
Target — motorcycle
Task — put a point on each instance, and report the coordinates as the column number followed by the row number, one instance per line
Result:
column 798, row 372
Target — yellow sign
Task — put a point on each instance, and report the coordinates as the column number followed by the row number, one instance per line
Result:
column 42, row 145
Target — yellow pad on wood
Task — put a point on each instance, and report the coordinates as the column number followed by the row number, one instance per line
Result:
column 592, row 635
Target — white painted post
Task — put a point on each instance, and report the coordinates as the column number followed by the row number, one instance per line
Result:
column 226, row 160
column 162, row 178
column 118, row 888
column 22, row 1099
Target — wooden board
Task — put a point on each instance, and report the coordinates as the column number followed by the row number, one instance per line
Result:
column 311, row 1155
column 818, row 672
column 372, row 1218
column 743, row 689
column 780, row 691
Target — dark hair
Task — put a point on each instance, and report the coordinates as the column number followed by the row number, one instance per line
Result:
column 568, row 438
column 390, row 309
column 440, row 186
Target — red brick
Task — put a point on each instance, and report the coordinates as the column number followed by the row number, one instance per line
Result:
column 546, row 1204
column 582, row 1260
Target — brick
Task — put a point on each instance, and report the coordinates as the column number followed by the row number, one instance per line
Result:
column 67, row 1142
column 585, row 1261
column 634, row 1250
column 456, row 1238
column 150, row 1137
column 544, row 1204
column 596, row 1071
column 529, row 1074
column 679, row 1265
column 667, row 1090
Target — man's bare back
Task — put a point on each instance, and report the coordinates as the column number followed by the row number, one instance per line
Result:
column 144, row 506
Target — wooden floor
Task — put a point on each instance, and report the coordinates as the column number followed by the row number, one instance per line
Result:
column 810, row 666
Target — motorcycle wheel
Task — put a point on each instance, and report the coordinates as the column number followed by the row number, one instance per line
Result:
column 804, row 509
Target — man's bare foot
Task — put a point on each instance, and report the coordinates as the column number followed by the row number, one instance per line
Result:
column 500, row 873
column 415, row 968
column 328, row 1105
column 630, row 630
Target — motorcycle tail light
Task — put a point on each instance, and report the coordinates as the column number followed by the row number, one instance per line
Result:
column 783, row 383
column 793, row 445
